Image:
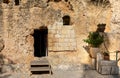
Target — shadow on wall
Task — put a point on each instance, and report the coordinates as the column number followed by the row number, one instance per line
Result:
column 1, row 12
column 6, row 1
column 1, row 45
column 54, row 0
column 101, row 28
column 102, row 3
column 6, row 66
column 94, row 74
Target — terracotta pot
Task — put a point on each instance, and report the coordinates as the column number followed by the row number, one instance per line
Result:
column 94, row 51
column 106, row 57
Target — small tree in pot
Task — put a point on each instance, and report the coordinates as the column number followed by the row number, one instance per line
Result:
column 94, row 40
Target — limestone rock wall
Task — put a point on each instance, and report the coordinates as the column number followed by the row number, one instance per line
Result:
column 65, row 43
column 115, row 26
column 115, row 21
column 1, row 28
column 61, row 38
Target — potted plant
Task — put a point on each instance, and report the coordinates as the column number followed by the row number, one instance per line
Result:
column 94, row 40
column 106, row 56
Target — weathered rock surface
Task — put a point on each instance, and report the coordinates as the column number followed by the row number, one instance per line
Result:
column 1, row 45
column 65, row 42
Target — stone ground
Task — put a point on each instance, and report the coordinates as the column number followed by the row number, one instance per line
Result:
column 76, row 74
column 94, row 74
column 61, row 74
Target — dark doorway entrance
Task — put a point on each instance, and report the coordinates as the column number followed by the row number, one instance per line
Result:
column 40, row 41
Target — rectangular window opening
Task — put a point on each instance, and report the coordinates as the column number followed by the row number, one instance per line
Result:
column 16, row 2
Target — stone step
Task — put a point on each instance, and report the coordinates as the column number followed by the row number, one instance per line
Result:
column 40, row 66
column 41, row 60
column 39, row 63
column 40, row 69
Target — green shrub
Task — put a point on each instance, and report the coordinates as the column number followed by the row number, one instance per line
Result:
column 94, row 39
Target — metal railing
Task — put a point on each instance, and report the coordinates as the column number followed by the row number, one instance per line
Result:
column 117, row 52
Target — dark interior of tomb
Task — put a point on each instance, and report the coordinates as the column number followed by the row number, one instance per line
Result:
column 40, row 42
column 57, row 0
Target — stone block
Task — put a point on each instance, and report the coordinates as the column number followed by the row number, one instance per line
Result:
column 72, row 33
column 57, row 36
column 50, row 40
column 74, row 48
column 61, row 40
column 50, row 36
column 68, row 31
column 93, row 63
column 53, row 31
column 50, row 48
column 69, row 35
column 105, row 69
column 115, row 70
column 49, row 44
column 108, row 67
column 64, row 44
column 108, row 62
column 59, row 48
column 99, row 57
column 63, row 32
column 66, row 40
column 54, row 48
column 60, row 44
column 74, row 44
column 67, row 48
column 70, row 27
column 58, row 27
column 55, row 40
